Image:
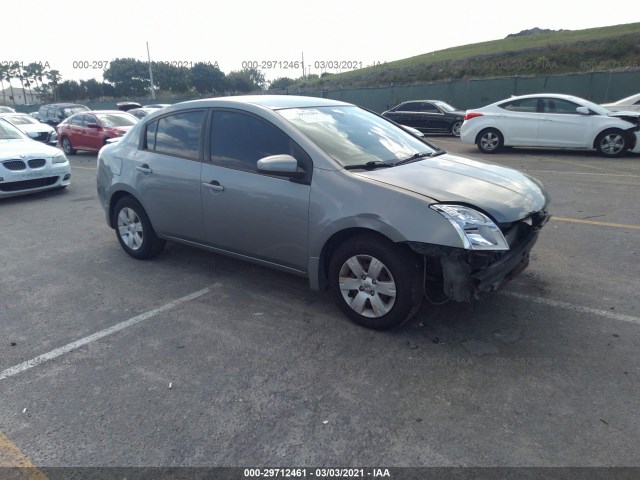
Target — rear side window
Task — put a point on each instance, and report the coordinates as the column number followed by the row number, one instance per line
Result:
column 409, row 107
column 178, row 134
column 528, row 105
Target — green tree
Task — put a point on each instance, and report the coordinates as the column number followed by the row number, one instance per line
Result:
column 207, row 78
column 129, row 76
column 171, row 78
column 93, row 88
column 281, row 83
column 71, row 91
column 4, row 75
column 54, row 77
column 14, row 70
column 246, row 80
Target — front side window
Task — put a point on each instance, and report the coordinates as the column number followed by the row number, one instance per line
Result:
column 87, row 119
column 558, row 105
column 428, row 108
column 239, row 140
column 178, row 134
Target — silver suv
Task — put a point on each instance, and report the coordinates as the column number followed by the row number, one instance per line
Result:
column 322, row 189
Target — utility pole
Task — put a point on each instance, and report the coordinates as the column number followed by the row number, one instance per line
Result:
column 153, row 89
column 303, row 65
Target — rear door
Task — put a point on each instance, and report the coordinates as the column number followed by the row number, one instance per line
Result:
column 247, row 212
column 167, row 174
column 519, row 121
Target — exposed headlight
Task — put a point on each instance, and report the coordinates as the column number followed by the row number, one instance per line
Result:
column 476, row 230
column 59, row 158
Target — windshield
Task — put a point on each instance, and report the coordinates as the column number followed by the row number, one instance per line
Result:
column 445, row 106
column 21, row 119
column 116, row 119
column 9, row 132
column 353, row 136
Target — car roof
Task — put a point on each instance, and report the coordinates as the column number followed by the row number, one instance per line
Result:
column 546, row 95
column 272, row 102
column 64, row 105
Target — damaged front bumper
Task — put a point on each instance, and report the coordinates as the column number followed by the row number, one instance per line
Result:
column 464, row 274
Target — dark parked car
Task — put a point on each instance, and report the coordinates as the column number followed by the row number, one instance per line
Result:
column 91, row 130
column 322, row 189
column 428, row 116
column 55, row 113
column 143, row 112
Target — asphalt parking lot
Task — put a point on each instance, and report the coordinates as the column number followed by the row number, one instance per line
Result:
column 194, row 359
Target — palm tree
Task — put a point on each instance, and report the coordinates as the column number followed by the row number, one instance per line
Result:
column 4, row 75
column 54, row 77
column 14, row 68
column 37, row 71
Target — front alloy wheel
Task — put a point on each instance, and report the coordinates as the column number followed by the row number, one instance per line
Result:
column 611, row 143
column 376, row 283
column 67, row 147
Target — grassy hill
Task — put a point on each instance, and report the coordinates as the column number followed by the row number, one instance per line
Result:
column 595, row 49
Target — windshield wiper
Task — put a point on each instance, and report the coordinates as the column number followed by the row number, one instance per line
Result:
column 414, row 158
column 372, row 165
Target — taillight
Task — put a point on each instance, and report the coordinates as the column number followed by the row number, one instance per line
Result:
column 471, row 115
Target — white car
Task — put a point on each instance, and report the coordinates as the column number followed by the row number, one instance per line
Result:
column 551, row 120
column 27, row 166
column 628, row 104
column 33, row 128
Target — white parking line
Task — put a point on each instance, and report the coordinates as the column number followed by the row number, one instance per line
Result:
column 10, row 372
column 576, row 308
column 585, row 173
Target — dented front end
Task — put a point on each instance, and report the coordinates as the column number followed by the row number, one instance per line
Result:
column 464, row 274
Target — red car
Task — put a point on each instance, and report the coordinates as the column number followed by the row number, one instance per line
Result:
column 91, row 130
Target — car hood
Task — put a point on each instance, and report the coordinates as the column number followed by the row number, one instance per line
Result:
column 629, row 116
column 505, row 194
column 12, row 149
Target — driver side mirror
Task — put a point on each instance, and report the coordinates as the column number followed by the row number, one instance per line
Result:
column 284, row 165
column 583, row 111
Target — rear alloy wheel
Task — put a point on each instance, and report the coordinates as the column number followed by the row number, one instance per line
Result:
column 455, row 128
column 134, row 230
column 612, row 143
column 489, row 141
column 375, row 282
column 66, row 146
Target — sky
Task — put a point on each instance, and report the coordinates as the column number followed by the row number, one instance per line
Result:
column 78, row 37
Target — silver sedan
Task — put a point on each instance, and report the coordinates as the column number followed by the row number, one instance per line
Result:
column 322, row 189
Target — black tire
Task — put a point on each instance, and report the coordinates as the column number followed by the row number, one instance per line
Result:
column 67, row 147
column 612, row 143
column 398, row 271
column 455, row 128
column 134, row 230
column 489, row 140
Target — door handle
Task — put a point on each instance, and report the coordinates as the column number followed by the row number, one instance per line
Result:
column 214, row 185
column 144, row 168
